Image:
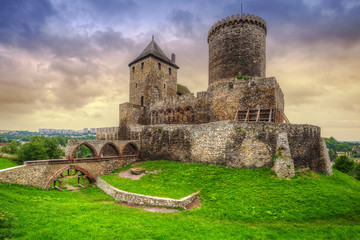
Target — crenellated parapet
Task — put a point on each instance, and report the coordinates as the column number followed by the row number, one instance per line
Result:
column 243, row 19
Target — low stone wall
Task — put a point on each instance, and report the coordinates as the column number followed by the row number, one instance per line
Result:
column 234, row 144
column 139, row 199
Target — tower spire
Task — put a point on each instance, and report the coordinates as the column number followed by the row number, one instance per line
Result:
column 153, row 37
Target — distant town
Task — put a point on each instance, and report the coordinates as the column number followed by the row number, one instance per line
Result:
column 6, row 136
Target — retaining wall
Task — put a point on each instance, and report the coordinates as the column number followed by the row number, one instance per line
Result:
column 139, row 199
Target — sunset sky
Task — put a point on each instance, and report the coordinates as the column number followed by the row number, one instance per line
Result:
column 64, row 63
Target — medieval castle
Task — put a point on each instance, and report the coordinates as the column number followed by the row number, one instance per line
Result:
column 239, row 121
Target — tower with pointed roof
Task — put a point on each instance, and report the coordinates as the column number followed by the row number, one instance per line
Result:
column 152, row 76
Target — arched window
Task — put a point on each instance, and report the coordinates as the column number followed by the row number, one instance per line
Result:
column 142, row 65
column 159, row 66
column 169, row 71
column 142, row 100
column 133, row 69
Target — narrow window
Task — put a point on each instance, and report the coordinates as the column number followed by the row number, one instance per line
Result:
column 133, row 69
column 142, row 100
column 231, row 85
column 169, row 71
column 136, row 86
column 159, row 66
column 164, row 85
column 142, row 65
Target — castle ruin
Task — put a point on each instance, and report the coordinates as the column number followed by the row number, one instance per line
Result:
column 238, row 122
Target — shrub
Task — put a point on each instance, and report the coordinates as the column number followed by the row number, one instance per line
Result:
column 357, row 171
column 344, row 164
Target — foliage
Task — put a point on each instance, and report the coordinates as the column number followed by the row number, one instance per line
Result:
column 40, row 148
column 344, row 164
column 12, row 148
column 336, row 146
column 235, row 204
column 356, row 171
column 83, row 152
column 332, row 154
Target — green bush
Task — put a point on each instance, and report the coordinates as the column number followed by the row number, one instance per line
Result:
column 344, row 164
column 40, row 148
column 357, row 171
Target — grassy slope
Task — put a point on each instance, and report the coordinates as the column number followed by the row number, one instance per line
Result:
column 236, row 204
column 7, row 163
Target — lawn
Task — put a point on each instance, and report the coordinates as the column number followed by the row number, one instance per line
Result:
column 7, row 163
column 235, row 204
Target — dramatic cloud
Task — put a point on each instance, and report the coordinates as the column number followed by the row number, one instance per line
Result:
column 63, row 63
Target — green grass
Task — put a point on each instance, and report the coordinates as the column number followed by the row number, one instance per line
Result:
column 236, row 204
column 8, row 163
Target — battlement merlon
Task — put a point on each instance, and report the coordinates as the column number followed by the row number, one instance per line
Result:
column 237, row 20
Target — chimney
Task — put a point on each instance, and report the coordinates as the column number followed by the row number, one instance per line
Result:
column 173, row 57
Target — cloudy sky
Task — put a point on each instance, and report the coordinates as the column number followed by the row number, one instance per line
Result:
column 63, row 63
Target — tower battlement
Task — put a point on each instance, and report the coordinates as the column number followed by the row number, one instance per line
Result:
column 237, row 47
column 231, row 21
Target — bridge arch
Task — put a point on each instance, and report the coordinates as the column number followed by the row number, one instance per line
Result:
column 131, row 149
column 92, row 149
column 69, row 167
column 111, row 148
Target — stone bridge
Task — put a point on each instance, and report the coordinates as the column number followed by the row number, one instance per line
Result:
column 107, row 156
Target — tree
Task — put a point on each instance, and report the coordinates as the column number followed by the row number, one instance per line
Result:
column 332, row 154
column 32, row 151
column 344, row 164
column 40, row 148
column 357, row 171
column 12, row 148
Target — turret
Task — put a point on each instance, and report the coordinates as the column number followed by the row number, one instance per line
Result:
column 237, row 47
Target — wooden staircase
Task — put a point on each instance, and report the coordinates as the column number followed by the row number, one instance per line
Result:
column 261, row 115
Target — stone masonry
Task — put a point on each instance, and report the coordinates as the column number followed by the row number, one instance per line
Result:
column 238, row 121
column 140, row 199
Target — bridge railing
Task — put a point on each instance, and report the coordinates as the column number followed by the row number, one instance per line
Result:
column 77, row 160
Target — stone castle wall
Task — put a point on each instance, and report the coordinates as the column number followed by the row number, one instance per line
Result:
column 229, row 96
column 237, row 47
column 234, row 144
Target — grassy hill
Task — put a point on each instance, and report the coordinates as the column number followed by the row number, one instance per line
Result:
column 236, row 204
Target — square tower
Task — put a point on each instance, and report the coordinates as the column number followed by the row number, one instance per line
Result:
column 152, row 76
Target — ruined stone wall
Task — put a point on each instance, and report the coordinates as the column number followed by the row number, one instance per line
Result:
column 140, row 199
column 235, row 94
column 150, row 82
column 184, row 109
column 234, row 144
column 107, row 133
column 237, row 47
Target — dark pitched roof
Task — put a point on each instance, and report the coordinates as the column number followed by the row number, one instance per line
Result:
column 154, row 50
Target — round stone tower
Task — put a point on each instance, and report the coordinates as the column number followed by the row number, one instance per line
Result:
column 237, row 47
